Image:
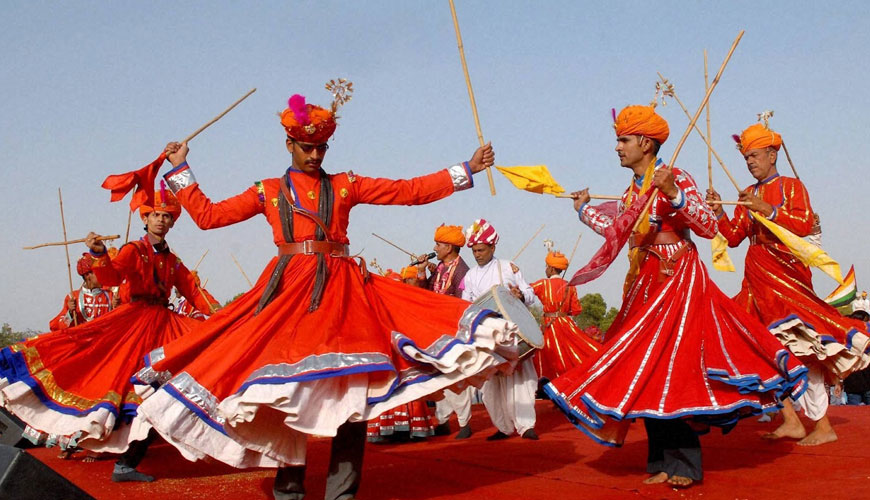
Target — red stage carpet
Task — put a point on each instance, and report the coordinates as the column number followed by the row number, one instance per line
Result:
column 563, row 464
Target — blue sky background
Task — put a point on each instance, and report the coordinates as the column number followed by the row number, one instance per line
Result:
column 95, row 88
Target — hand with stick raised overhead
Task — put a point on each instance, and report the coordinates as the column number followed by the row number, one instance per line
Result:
column 483, row 158
column 176, row 153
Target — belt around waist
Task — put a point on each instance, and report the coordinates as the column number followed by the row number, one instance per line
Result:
column 555, row 315
column 310, row 247
column 658, row 238
column 150, row 299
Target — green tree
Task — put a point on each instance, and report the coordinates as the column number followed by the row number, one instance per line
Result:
column 608, row 319
column 9, row 337
column 594, row 311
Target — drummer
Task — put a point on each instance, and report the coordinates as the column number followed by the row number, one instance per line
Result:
column 509, row 399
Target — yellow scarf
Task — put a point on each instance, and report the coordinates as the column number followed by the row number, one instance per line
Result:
column 635, row 256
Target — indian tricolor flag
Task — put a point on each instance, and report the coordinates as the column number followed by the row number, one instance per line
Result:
column 845, row 293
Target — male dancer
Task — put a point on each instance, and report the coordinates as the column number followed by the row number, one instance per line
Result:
column 679, row 349
column 509, row 399
column 778, row 288
column 327, row 345
column 88, row 302
column 565, row 344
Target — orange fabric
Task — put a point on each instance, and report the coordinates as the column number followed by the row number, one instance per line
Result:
column 557, row 260
column 758, row 137
column 349, row 191
column 565, row 345
column 642, row 120
column 452, row 235
column 409, row 272
column 139, row 265
column 311, row 123
column 141, row 180
column 164, row 201
column 393, row 275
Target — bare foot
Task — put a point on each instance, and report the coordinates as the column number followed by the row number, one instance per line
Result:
column 794, row 430
column 656, row 478
column 65, row 454
column 680, row 481
column 90, row 457
column 818, row 436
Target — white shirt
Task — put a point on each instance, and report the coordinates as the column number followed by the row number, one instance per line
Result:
column 859, row 304
column 479, row 279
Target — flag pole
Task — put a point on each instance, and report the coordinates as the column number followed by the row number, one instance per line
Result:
column 218, row 117
column 470, row 91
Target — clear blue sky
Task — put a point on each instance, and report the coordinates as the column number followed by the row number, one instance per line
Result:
column 95, row 88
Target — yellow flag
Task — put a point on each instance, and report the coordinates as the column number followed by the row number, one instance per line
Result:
column 535, row 178
column 721, row 260
column 808, row 253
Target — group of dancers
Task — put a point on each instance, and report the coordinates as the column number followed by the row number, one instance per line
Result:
column 320, row 345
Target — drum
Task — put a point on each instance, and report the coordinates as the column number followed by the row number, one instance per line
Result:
column 500, row 300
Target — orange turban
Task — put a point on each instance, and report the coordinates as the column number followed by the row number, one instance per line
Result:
column 557, row 260
column 307, row 122
column 641, row 120
column 758, row 137
column 164, row 201
column 452, row 235
column 409, row 272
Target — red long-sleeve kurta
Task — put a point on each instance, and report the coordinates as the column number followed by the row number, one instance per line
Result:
column 362, row 328
column 678, row 347
column 77, row 380
column 565, row 344
column 778, row 288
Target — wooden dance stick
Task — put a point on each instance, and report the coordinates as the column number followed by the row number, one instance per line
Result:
column 129, row 219
column 242, row 270
column 530, row 240
column 788, row 157
column 573, row 251
column 413, row 256
column 218, row 117
column 66, row 248
column 694, row 120
column 200, row 261
column 723, row 202
column 707, row 112
column 70, row 242
column 470, row 92
column 592, row 196
column 706, row 139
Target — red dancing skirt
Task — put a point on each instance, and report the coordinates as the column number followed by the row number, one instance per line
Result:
column 778, row 289
column 678, row 348
column 76, row 382
column 416, row 419
column 565, row 347
column 248, row 388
